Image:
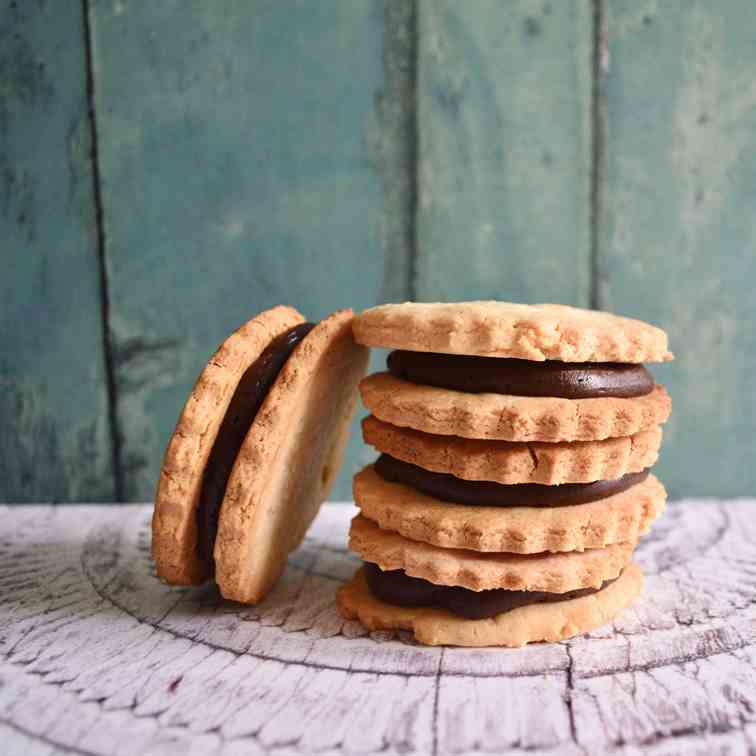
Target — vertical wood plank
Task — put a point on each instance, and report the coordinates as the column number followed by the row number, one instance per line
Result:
column 677, row 227
column 242, row 157
column 504, row 101
column 55, row 439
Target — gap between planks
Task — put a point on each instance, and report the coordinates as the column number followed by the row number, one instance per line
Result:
column 107, row 345
column 598, row 51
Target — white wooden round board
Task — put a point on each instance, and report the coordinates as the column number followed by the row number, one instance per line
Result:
column 99, row 657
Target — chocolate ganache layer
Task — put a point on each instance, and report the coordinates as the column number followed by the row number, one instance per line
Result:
column 248, row 397
column 500, row 375
column 486, row 493
column 398, row 588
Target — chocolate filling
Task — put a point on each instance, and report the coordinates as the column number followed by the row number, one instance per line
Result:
column 499, row 375
column 485, row 493
column 245, row 404
column 398, row 588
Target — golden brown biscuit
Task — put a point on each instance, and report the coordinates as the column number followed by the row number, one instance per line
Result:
column 554, row 573
column 174, row 523
column 503, row 329
column 519, row 530
column 513, row 462
column 537, row 622
column 510, row 418
column 289, row 459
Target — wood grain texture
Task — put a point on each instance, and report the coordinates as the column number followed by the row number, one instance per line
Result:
column 242, row 157
column 504, row 96
column 676, row 220
column 98, row 657
column 55, row 439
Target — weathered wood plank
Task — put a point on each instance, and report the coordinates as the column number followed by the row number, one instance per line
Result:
column 55, row 439
column 242, row 156
column 504, row 97
column 676, row 220
column 98, row 657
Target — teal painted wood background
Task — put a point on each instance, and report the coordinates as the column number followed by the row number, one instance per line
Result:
column 168, row 169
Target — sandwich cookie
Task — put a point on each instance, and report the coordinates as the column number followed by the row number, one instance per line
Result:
column 494, row 370
column 525, row 519
column 476, row 571
column 445, row 616
column 255, row 451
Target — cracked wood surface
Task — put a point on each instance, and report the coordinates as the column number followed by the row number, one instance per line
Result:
column 98, row 657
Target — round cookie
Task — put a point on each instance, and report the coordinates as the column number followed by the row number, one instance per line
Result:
column 503, row 329
column 520, row 530
column 510, row 418
column 174, row 520
column 536, row 622
column 554, row 573
column 512, row 462
column 288, row 460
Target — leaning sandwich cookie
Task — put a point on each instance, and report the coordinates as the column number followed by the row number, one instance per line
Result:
column 255, row 451
column 520, row 434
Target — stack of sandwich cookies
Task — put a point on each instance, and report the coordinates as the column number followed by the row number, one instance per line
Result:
column 513, row 480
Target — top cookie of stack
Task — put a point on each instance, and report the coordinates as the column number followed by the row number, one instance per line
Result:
column 512, row 430
column 434, row 387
